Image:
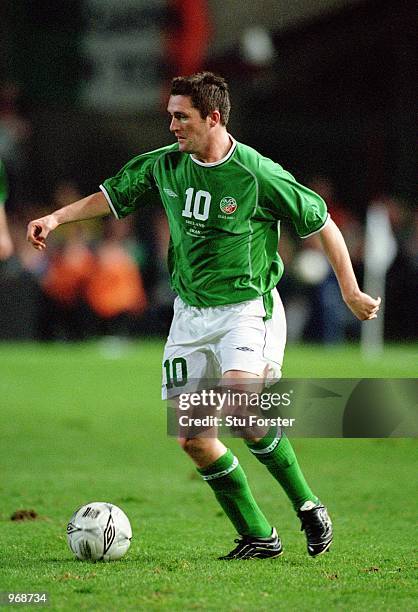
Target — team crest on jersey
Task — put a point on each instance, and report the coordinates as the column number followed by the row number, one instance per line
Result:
column 228, row 205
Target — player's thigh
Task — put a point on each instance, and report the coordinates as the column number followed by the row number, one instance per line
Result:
column 275, row 339
column 182, row 369
column 253, row 344
column 188, row 359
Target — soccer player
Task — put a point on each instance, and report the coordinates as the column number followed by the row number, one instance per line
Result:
column 224, row 202
column 6, row 245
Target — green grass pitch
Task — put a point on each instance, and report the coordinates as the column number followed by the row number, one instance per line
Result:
column 82, row 423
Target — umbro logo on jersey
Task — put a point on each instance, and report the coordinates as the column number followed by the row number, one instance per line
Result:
column 245, row 348
column 228, row 205
column 170, row 192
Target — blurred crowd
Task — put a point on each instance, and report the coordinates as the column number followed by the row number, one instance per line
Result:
column 109, row 277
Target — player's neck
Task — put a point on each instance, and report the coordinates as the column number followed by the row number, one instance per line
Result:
column 216, row 149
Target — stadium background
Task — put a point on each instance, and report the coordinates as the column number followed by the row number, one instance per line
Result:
column 326, row 88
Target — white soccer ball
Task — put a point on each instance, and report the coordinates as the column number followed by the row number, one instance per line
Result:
column 99, row 531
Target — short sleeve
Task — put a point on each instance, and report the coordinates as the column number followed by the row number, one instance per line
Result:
column 4, row 186
column 127, row 190
column 288, row 199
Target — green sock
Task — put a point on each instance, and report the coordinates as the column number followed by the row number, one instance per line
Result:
column 278, row 456
column 229, row 483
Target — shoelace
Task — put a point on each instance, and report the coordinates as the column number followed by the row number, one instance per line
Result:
column 240, row 542
column 245, row 540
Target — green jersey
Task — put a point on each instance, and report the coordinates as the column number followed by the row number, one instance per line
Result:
column 4, row 187
column 224, row 218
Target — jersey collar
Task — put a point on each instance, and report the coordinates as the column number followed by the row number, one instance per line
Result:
column 220, row 161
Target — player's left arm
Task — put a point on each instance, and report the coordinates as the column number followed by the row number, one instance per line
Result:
column 362, row 305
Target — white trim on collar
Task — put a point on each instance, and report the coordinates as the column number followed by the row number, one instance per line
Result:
column 220, row 161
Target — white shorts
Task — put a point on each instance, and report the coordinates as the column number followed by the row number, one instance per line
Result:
column 204, row 343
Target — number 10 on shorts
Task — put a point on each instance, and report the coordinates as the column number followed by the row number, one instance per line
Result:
column 175, row 372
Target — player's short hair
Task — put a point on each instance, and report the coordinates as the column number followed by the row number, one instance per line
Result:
column 207, row 91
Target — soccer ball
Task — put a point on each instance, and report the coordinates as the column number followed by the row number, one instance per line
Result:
column 99, row 531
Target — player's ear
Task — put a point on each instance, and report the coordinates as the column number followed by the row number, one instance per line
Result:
column 214, row 118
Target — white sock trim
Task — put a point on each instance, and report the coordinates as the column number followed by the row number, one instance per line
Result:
column 232, row 467
column 264, row 451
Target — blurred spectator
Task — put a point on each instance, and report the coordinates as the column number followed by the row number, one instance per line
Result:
column 159, row 317
column 401, row 308
column 14, row 128
column 314, row 307
column 6, row 244
column 65, row 268
column 328, row 317
column 411, row 242
column 291, row 292
column 92, row 290
column 19, row 288
column 64, row 315
column 114, row 289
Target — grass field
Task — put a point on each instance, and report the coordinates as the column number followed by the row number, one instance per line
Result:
column 83, row 423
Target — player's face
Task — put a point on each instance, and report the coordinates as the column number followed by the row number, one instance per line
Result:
column 187, row 125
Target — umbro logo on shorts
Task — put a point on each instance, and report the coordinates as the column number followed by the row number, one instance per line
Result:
column 244, row 348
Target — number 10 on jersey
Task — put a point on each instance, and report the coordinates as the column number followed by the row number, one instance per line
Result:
column 197, row 204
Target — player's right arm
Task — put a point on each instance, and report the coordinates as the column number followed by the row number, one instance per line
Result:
column 94, row 205
column 362, row 305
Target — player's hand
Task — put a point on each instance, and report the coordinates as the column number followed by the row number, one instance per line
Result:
column 363, row 306
column 38, row 231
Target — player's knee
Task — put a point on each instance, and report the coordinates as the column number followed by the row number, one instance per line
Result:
column 196, row 448
column 192, row 445
column 182, row 442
